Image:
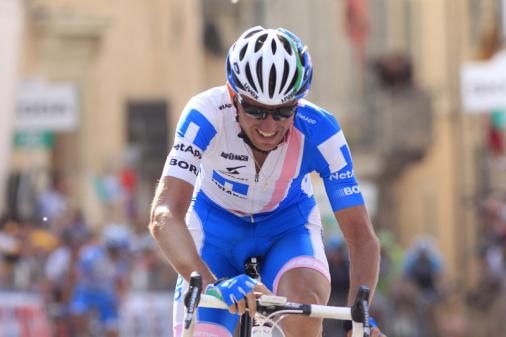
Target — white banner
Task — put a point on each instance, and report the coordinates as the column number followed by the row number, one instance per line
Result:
column 22, row 315
column 11, row 25
column 147, row 314
column 483, row 85
column 46, row 106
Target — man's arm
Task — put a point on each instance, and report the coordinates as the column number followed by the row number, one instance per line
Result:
column 363, row 247
column 167, row 226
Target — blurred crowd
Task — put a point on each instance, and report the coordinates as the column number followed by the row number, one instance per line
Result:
column 408, row 292
column 415, row 295
column 82, row 272
column 487, row 298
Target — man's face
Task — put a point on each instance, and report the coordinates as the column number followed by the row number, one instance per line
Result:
column 266, row 133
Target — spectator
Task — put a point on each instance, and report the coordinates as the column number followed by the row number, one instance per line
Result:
column 423, row 268
column 61, row 278
column 423, row 265
column 102, row 271
column 337, row 255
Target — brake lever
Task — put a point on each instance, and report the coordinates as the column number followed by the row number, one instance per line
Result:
column 360, row 310
column 192, row 298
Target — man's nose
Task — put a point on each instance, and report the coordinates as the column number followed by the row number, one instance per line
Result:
column 268, row 122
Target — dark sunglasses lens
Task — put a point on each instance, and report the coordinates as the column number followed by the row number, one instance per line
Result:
column 277, row 114
column 255, row 112
column 283, row 113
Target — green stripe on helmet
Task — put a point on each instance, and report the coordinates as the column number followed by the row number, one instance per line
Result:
column 300, row 69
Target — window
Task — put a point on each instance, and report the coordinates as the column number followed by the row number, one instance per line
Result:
column 147, row 134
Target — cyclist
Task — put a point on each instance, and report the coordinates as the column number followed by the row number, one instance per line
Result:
column 102, row 271
column 236, row 184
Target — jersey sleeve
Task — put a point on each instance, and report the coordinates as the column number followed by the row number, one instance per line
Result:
column 335, row 166
column 194, row 133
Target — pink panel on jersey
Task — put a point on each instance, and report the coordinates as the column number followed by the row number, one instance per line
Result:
column 288, row 169
column 237, row 212
column 301, row 262
column 204, row 330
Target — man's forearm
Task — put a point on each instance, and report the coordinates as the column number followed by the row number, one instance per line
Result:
column 364, row 267
column 177, row 244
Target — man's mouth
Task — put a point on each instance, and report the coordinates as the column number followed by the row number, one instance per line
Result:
column 266, row 134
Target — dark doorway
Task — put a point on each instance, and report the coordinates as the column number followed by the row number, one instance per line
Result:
column 147, row 136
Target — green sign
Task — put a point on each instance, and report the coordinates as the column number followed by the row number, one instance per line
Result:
column 34, row 140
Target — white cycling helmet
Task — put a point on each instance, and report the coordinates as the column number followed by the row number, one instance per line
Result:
column 271, row 66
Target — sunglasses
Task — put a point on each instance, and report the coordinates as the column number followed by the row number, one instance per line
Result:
column 259, row 113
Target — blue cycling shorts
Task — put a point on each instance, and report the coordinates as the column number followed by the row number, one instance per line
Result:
column 105, row 304
column 285, row 240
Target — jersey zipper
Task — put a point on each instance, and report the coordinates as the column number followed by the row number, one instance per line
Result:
column 257, row 178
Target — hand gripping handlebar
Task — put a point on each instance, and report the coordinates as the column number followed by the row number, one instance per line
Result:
column 269, row 305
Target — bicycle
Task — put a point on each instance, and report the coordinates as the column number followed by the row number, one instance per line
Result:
column 272, row 309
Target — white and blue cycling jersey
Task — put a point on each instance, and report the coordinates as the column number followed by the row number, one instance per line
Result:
column 237, row 213
column 208, row 153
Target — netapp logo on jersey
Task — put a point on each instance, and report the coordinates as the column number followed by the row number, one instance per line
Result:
column 184, row 165
column 344, row 175
column 306, row 119
column 233, row 156
column 183, row 148
column 225, row 106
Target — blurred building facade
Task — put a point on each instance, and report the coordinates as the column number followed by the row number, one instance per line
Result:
column 448, row 168
column 392, row 79
column 133, row 65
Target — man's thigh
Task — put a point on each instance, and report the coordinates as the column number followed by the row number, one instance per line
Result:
column 300, row 251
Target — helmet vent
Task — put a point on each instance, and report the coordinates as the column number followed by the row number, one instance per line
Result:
column 260, row 74
column 302, row 59
column 238, row 82
column 285, row 74
column 251, row 33
column 243, row 52
column 272, row 81
column 273, row 46
column 286, row 44
column 302, row 89
column 250, row 78
column 260, row 42
column 290, row 87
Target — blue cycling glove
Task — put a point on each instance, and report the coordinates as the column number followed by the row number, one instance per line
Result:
column 232, row 290
column 372, row 322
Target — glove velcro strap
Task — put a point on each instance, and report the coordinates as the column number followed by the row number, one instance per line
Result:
column 235, row 289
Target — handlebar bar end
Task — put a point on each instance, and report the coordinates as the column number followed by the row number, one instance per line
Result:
column 362, row 294
column 195, row 279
